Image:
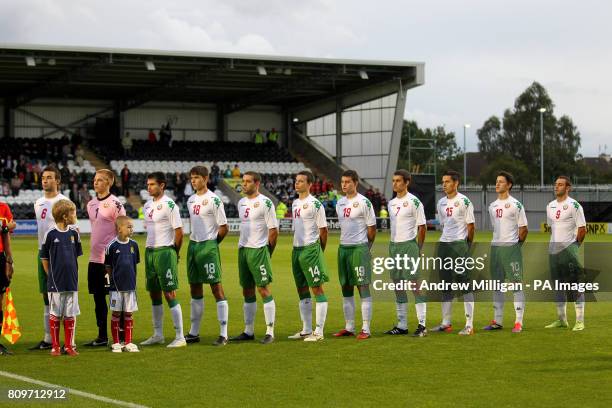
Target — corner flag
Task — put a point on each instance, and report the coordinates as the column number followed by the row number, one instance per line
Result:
column 10, row 324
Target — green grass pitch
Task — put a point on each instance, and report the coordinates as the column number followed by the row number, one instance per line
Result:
column 535, row 368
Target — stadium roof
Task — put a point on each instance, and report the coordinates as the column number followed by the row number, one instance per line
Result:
column 235, row 81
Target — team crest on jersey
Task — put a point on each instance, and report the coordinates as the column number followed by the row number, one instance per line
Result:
column 565, row 207
column 132, row 249
column 507, row 205
column 456, row 203
column 105, row 205
column 355, row 204
column 72, row 239
column 406, row 203
column 305, row 206
column 205, row 201
column 159, row 207
column 256, row 205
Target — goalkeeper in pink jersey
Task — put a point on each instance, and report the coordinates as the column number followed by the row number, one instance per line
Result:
column 103, row 211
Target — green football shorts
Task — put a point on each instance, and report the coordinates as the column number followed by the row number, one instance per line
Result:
column 354, row 265
column 506, row 263
column 161, row 269
column 203, row 262
column 308, row 266
column 254, row 267
column 409, row 248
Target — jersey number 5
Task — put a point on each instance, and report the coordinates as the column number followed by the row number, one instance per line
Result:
column 246, row 212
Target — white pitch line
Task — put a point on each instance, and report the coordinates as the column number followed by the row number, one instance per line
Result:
column 71, row 390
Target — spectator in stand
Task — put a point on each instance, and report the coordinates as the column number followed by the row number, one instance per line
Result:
column 272, row 136
column 6, row 189
column 281, row 210
column 315, row 189
column 179, row 187
column 127, row 143
column 214, row 174
column 369, row 194
column 125, row 181
column 151, row 138
column 84, row 196
column 376, row 200
column 16, row 183
column 74, row 193
column 236, row 171
column 383, row 212
column 228, row 172
column 258, row 137
column 65, row 174
column 66, row 153
column 78, row 155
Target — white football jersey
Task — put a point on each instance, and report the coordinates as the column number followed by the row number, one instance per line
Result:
column 564, row 218
column 454, row 215
column 207, row 214
column 162, row 217
column 507, row 216
column 44, row 215
column 308, row 216
column 406, row 215
column 355, row 216
column 257, row 216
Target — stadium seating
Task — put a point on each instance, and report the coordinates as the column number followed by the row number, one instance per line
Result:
column 200, row 151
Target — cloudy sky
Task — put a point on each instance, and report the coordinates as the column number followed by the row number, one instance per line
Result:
column 479, row 54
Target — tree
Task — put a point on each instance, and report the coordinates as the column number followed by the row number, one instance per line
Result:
column 517, row 168
column 422, row 154
column 517, row 135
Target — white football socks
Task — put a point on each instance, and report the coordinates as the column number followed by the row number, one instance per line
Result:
column 47, row 338
column 366, row 313
column 306, row 315
column 158, row 315
column 519, row 306
column 249, row 317
column 402, row 315
column 498, row 307
column 197, row 311
column 269, row 314
column 222, row 315
column 177, row 320
column 321, row 314
column 348, row 307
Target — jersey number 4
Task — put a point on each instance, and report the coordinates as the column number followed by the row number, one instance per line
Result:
column 296, row 213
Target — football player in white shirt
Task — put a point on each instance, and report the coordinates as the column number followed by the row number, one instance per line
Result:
column 408, row 228
column 357, row 233
column 456, row 215
column 208, row 228
column 568, row 229
column 506, row 261
column 50, row 181
column 258, row 234
column 164, row 239
column 307, row 259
